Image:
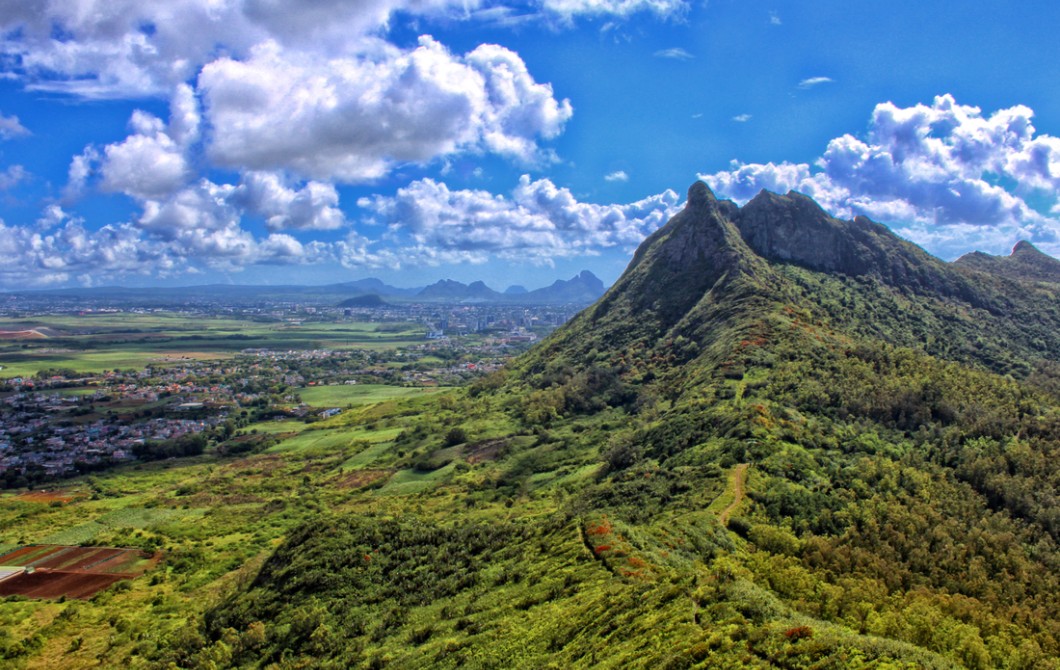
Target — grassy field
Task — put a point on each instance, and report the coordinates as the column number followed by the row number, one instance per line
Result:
column 98, row 342
column 358, row 394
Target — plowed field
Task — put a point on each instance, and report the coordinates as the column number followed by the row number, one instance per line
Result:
column 53, row 571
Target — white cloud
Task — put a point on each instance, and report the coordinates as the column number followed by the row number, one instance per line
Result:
column 429, row 223
column 10, row 127
column 130, row 48
column 619, row 175
column 774, row 19
column 81, row 168
column 676, row 53
column 814, row 81
column 147, row 164
column 943, row 174
column 568, row 9
column 12, row 176
column 352, row 119
column 312, row 207
column 151, row 163
column 194, row 229
column 742, row 118
column 60, row 248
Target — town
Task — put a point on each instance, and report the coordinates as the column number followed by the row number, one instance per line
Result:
column 62, row 421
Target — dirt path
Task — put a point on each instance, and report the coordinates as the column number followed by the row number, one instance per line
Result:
column 737, row 480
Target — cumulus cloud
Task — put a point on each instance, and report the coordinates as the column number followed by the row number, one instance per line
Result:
column 314, row 206
column 429, row 223
column 147, row 164
column 194, row 229
column 619, row 175
column 60, row 247
column 352, row 119
column 944, row 174
column 150, row 163
column 11, row 127
column 676, row 53
column 128, row 48
column 742, row 118
column 294, row 97
column 814, row 81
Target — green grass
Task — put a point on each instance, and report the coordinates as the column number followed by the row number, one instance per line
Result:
column 94, row 343
column 126, row 517
column 366, row 456
column 288, row 426
column 407, row 482
column 358, row 394
column 314, row 441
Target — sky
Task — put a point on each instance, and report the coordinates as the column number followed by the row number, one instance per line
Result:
column 319, row 141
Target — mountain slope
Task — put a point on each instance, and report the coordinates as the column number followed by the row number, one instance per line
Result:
column 779, row 440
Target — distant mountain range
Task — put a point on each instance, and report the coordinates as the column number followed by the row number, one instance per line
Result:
column 582, row 289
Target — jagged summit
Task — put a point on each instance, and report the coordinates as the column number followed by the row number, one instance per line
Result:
column 714, row 269
column 793, row 228
column 700, row 196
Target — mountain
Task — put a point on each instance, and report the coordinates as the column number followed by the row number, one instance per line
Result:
column 366, row 300
column 515, row 289
column 1025, row 263
column 375, row 286
column 779, row 440
column 447, row 290
column 582, row 289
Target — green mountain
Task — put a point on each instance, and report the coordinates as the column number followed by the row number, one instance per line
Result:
column 780, row 440
column 1025, row 263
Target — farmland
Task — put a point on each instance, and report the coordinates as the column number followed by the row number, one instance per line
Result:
column 55, row 571
column 99, row 342
column 102, row 388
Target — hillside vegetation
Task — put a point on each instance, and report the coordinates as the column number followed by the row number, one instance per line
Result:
column 780, row 440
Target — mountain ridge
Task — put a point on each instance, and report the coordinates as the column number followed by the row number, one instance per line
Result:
column 729, row 460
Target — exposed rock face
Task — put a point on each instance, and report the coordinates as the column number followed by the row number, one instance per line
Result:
column 793, row 228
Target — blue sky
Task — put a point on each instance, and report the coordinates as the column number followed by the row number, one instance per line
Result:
column 284, row 141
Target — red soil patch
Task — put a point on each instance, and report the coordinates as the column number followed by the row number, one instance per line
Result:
column 74, row 572
column 55, row 584
column 49, row 496
column 21, row 335
column 23, row 555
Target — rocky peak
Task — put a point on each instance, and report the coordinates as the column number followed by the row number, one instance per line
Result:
column 700, row 196
column 793, row 228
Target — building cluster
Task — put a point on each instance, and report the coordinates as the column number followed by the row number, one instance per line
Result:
column 41, row 432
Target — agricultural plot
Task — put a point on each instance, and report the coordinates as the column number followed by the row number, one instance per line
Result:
column 54, row 571
column 357, row 394
column 106, row 342
column 46, row 497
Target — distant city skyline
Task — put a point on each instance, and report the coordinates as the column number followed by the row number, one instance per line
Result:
column 187, row 142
